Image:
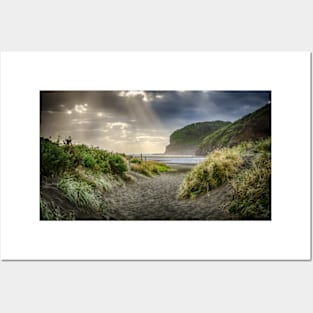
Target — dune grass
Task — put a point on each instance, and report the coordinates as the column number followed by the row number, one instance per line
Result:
column 50, row 211
column 252, row 190
column 218, row 168
column 247, row 167
column 81, row 173
column 81, row 194
column 148, row 168
column 96, row 180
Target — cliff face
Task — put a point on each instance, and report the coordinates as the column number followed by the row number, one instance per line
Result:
column 253, row 126
column 181, row 149
column 187, row 139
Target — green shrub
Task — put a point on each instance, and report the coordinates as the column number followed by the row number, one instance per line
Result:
column 53, row 158
column 77, row 154
column 89, row 161
column 56, row 159
column 117, row 163
column 82, row 155
column 103, row 166
column 136, row 160
column 102, row 160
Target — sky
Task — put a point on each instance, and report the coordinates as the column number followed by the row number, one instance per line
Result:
column 137, row 121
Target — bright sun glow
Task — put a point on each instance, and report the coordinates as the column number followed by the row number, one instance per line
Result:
column 120, row 125
column 80, row 108
column 134, row 93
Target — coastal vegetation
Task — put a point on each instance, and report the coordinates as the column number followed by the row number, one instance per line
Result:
column 246, row 167
column 77, row 182
column 148, row 168
column 74, row 179
column 220, row 166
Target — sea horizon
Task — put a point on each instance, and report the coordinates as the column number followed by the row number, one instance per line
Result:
column 170, row 158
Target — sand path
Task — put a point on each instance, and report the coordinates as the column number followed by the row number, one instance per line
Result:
column 155, row 199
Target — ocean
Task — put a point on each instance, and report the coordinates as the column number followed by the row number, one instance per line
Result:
column 172, row 159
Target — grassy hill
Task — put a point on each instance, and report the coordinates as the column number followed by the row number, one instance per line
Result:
column 187, row 139
column 254, row 126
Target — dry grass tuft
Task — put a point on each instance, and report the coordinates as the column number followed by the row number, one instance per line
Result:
column 220, row 166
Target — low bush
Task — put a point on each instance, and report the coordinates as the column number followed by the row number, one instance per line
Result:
column 117, row 163
column 89, row 161
column 91, row 158
column 136, row 160
column 57, row 159
column 54, row 160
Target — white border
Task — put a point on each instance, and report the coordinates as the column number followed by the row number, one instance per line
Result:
column 287, row 236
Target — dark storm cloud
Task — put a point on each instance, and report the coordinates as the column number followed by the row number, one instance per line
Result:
column 58, row 100
column 169, row 106
column 119, row 119
column 208, row 106
column 239, row 103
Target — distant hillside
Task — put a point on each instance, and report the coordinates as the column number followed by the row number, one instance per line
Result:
column 187, row 139
column 253, row 126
